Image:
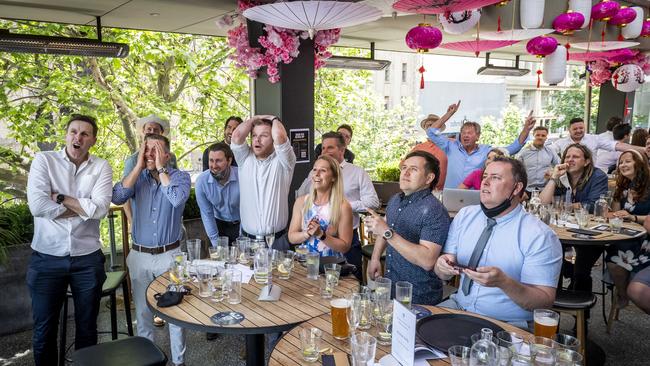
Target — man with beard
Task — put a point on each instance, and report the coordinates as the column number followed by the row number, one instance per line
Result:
column 509, row 260
column 231, row 124
column 68, row 193
column 217, row 193
column 158, row 194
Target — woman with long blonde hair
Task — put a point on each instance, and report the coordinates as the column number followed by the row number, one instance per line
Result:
column 322, row 219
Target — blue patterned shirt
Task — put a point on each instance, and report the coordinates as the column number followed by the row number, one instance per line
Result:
column 418, row 216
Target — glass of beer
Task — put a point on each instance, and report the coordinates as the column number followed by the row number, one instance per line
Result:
column 546, row 322
column 340, row 326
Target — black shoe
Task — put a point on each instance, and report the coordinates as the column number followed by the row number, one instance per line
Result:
column 211, row 336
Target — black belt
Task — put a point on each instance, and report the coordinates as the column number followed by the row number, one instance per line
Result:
column 156, row 250
column 277, row 235
column 231, row 223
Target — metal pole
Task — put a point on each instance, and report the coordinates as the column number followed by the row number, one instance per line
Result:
column 587, row 116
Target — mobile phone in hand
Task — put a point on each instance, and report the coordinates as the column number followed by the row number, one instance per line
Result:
column 459, row 267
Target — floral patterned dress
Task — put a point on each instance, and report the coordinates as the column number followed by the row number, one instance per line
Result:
column 322, row 214
column 632, row 256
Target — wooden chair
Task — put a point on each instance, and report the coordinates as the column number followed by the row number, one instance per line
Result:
column 576, row 303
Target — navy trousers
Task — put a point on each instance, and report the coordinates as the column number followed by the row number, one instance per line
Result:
column 48, row 278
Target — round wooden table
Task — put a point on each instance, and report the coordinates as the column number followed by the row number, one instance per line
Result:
column 299, row 302
column 287, row 350
column 605, row 238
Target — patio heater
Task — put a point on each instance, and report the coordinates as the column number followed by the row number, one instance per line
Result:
column 51, row 45
column 357, row 63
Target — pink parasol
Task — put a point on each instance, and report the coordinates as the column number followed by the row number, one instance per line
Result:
column 604, row 46
column 440, row 6
column 618, row 56
column 477, row 46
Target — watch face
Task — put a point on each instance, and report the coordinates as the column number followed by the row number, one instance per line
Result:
column 388, row 234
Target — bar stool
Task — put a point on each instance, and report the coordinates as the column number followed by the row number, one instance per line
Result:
column 132, row 351
column 576, row 303
column 366, row 252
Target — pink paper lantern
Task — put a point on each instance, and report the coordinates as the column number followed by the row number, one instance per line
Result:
column 568, row 22
column 623, row 17
column 645, row 30
column 604, row 10
column 541, row 46
column 423, row 38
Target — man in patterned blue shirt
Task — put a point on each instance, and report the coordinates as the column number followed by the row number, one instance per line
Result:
column 414, row 231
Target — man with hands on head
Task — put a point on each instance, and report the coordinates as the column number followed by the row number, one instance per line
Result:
column 465, row 154
column 508, row 259
column 158, row 194
column 414, row 230
column 265, row 173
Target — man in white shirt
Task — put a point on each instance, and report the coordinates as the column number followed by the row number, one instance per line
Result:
column 593, row 142
column 357, row 188
column 265, row 173
column 608, row 159
column 608, row 136
column 68, row 193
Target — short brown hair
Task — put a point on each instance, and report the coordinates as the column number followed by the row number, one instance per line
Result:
column 221, row 146
column 345, row 127
column 431, row 164
column 540, row 128
column 83, row 118
column 476, row 126
column 518, row 170
column 262, row 122
column 155, row 136
column 334, row 135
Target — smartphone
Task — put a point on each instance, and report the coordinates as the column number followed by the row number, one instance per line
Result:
column 459, row 267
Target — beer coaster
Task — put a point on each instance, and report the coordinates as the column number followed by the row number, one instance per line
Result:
column 420, row 311
column 227, row 318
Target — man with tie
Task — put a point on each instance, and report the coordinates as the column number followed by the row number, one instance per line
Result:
column 509, row 260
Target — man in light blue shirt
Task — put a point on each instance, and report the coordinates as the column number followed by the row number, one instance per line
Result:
column 217, row 193
column 158, row 194
column 465, row 154
column 538, row 159
column 518, row 267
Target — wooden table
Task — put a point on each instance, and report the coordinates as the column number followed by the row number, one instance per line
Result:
column 287, row 350
column 299, row 302
column 606, row 238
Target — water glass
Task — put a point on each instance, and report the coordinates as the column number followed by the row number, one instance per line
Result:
column 382, row 288
column 363, row 347
column 385, row 322
column 366, row 308
column 310, row 343
column 193, row 249
column 276, row 258
column 565, row 341
column 520, row 360
column 257, row 244
column 244, row 244
column 333, row 270
column 543, row 350
column 261, row 266
column 459, row 355
column 223, row 241
column 313, row 261
column 216, row 253
column 504, row 356
column 233, row 255
column 301, row 252
column 218, row 285
column 567, row 357
column 285, row 268
column 178, row 272
column 615, row 224
column 510, row 340
column 354, row 311
column 326, row 285
column 204, row 275
column 404, row 293
column 232, row 283
column 582, row 217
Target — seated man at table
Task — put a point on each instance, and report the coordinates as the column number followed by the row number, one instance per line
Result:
column 513, row 258
column 414, row 230
column 158, row 194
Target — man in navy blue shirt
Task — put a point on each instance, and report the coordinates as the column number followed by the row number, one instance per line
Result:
column 414, row 231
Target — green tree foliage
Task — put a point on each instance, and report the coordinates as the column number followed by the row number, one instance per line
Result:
column 504, row 131
column 187, row 79
column 567, row 104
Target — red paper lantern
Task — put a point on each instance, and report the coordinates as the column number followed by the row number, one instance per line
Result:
column 423, row 38
column 541, row 46
column 645, row 30
column 604, row 10
column 568, row 22
column 623, row 17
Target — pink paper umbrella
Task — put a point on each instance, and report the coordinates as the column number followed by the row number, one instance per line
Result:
column 619, row 56
column 440, row 6
column 477, row 46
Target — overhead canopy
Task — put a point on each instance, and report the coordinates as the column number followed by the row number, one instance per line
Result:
column 199, row 17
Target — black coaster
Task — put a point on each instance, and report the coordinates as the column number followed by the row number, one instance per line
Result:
column 420, row 311
column 227, row 318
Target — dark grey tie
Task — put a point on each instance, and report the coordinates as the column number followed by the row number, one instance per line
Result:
column 476, row 254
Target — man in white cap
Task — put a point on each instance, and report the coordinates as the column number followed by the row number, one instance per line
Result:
column 145, row 125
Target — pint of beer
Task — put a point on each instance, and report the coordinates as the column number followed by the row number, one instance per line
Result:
column 340, row 327
column 546, row 322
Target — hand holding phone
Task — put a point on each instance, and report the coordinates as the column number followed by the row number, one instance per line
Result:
column 459, row 267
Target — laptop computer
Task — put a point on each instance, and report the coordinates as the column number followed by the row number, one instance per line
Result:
column 454, row 199
column 386, row 190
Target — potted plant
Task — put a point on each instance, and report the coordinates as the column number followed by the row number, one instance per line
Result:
column 388, row 181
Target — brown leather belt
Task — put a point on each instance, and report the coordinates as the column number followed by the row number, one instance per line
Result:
column 156, row 250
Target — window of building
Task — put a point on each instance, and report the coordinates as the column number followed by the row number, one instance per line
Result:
column 387, row 75
column 386, row 102
column 404, row 69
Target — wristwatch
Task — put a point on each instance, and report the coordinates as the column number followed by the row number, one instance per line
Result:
column 59, row 198
column 388, row 234
column 322, row 237
column 163, row 170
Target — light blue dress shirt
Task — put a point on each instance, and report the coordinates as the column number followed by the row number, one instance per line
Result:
column 157, row 210
column 460, row 162
column 521, row 245
column 217, row 201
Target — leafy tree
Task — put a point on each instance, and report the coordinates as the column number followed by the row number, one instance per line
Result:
column 504, row 131
column 567, row 104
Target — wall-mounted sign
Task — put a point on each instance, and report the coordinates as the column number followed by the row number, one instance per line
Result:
column 300, row 143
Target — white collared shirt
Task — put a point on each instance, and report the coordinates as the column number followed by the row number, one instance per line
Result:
column 91, row 184
column 593, row 142
column 264, row 188
column 357, row 188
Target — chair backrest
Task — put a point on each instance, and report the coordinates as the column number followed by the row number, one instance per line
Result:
column 112, row 240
